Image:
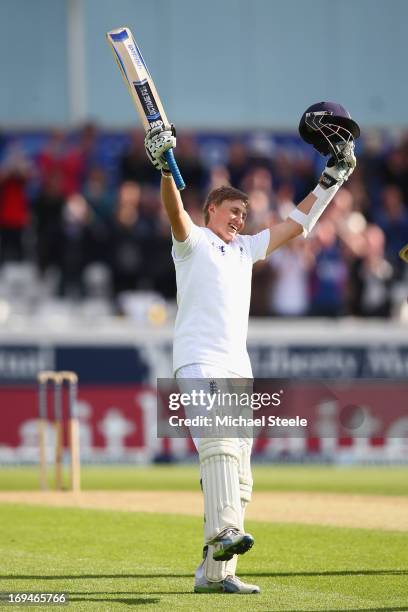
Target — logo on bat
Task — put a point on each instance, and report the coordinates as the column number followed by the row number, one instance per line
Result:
column 147, row 100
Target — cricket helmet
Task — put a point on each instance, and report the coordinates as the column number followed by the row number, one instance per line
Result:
column 329, row 128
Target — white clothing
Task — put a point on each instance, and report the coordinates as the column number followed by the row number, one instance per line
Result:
column 290, row 287
column 213, row 295
column 187, row 382
column 223, row 485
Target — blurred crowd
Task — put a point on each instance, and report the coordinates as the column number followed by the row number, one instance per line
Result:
column 68, row 211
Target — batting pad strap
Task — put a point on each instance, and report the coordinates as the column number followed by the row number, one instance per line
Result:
column 210, row 447
column 245, row 473
column 309, row 220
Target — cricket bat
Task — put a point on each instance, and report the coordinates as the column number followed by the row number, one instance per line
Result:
column 141, row 88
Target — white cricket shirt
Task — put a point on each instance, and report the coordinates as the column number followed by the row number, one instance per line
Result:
column 213, row 296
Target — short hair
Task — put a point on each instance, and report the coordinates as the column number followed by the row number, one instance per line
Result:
column 222, row 194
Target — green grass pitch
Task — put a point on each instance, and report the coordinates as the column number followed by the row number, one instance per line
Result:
column 121, row 560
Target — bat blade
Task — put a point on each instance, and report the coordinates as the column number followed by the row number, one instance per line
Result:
column 141, row 87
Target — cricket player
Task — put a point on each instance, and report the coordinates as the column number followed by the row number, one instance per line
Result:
column 213, row 273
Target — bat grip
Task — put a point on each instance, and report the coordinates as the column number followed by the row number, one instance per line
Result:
column 178, row 179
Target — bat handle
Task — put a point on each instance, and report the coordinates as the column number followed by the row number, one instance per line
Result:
column 178, row 179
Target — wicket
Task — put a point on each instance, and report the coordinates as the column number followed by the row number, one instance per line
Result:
column 57, row 380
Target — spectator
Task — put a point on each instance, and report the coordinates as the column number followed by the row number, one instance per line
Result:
column 50, row 158
column 88, row 149
column 261, row 214
column 130, row 235
column 78, row 241
column 362, row 202
column 370, row 169
column 290, row 265
column 394, row 221
column 71, row 235
column 193, row 205
column 303, row 179
column 283, row 168
column 97, row 194
column 238, row 163
column 69, row 160
column 47, row 210
column 259, row 178
column 188, row 158
column 395, row 169
column 260, row 295
column 160, row 266
column 374, row 275
column 134, row 165
column 219, row 176
column 329, row 275
column 284, row 200
column 15, row 171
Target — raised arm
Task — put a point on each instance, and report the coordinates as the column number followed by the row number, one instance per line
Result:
column 179, row 219
column 157, row 141
column 304, row 217
column 281, row 233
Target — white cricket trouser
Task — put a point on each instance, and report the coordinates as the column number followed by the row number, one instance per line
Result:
column 225, row 471
column 199, row 371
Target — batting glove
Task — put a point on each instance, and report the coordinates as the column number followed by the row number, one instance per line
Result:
column 157, row 141
column 336, row 173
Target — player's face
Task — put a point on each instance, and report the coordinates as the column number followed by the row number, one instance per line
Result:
column 227, row 219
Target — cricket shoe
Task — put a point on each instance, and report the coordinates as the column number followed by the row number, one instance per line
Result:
column 231, row 584
column 229, row 543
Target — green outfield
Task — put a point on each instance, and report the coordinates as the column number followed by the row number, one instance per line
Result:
column 108, row 560
column 329, row 479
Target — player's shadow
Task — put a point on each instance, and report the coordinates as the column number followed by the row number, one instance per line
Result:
column 377, row 572
column 85, row 595
column 84, row 576
column 129, row 601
